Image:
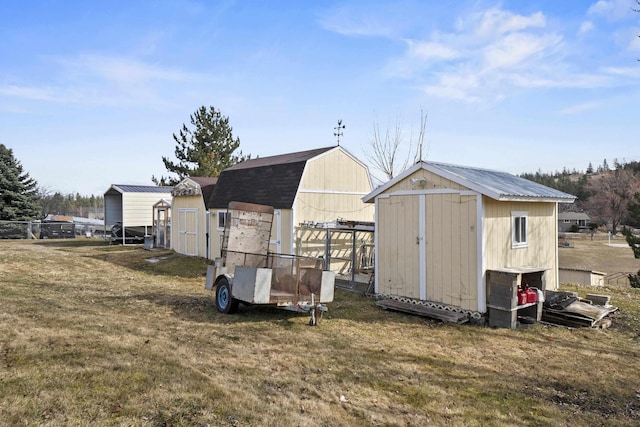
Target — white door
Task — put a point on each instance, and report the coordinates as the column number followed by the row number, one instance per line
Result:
column 188, row 231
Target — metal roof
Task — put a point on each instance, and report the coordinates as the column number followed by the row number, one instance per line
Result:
column 124, row 188
column 498, row 185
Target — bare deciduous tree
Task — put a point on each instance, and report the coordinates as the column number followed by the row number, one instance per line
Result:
column 612, row 193
column 386, row 148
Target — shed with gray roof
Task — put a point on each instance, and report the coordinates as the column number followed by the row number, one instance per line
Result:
column 440, row 227
column 132, row 206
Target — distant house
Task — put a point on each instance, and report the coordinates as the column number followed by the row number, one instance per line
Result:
column 304, row 187
column 440, row 228
column 131, row 206
column 190, row 230
column 573, row 220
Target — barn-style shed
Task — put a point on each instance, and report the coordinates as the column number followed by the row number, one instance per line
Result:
column 304, row 187
column 439, row 229
column 190, row 231
column 132, row 206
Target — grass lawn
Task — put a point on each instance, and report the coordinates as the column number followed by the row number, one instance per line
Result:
column 92, row 334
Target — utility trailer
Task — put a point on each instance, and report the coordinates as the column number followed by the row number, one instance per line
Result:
column 247, row 272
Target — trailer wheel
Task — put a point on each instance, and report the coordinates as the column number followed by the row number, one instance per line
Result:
column 225, row 303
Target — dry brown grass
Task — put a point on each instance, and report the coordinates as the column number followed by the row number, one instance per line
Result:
column 96, row 335
column 596, row 254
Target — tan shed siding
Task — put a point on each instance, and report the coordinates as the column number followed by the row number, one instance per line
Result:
column 541, row 237
column 432, row 182
column 320, row 207
column 336, row 171
column 398, row 257
column 191, row 202
column 451, row 250
column 137, row 208
column 332, row 187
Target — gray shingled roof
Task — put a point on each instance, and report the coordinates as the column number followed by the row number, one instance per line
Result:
column 271, row 181
column 495, row 184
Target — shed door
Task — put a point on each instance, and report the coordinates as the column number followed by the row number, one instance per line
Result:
column 399, row 244
column 188, row 231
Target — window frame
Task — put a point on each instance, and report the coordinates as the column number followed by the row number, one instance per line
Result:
column 221, row 218
column 519, row 229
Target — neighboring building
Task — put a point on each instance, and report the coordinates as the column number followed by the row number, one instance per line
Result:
column 439, row 228
column 190, row 231
column 131, row 206
column 311, row 186
column 569, row 220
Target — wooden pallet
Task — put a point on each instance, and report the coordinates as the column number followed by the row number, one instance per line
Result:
column 423, row 310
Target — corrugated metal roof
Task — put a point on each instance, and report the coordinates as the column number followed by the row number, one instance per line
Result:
column 141, row 188
column 496, row 184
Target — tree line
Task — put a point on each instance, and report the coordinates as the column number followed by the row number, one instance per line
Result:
column 22, row 200
column 608, row 194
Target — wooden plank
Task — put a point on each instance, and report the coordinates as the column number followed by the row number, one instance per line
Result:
column 423, row 310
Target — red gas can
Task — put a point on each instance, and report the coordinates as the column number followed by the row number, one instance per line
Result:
column 532, row 295
column 522, row 296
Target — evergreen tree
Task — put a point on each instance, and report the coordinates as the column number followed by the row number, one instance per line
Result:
column 205, row 150
column 18, row 193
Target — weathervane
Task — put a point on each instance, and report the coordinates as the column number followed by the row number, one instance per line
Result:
column 338, row 133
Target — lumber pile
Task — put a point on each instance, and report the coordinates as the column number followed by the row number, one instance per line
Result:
column 566, row 308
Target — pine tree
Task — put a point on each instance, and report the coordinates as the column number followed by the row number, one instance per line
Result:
column 205, row 150
column 18, row 192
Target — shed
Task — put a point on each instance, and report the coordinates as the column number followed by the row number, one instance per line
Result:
column 319, row 185
column 132, row 206
column 439, row 228
column 162, row 223
column 582, row 277
column 190, row 232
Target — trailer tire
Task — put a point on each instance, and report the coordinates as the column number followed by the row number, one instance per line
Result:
column 225, row 303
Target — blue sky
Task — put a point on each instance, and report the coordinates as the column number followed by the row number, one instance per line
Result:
column 91, row 92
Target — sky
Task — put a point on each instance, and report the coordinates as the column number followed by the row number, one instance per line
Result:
column 92, row 92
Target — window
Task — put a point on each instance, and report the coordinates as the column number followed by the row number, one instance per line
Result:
column 518, row 229
column 582, row 222
column 223, row 217
column 567, row 221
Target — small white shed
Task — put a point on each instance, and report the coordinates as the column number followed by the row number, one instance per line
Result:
column 132, row 206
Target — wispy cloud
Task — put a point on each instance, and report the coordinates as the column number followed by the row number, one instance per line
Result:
column 586, row 27
column 612, row 10
column 579, row 108
column 491, row 54
column 95, row 79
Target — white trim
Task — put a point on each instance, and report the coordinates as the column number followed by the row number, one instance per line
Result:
column 433, row 191
column 555, row 246
column 277, row 213
column 523, row 243
column 422, row 212
column 376, row 247
column 480, row 258
column 320, row 191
